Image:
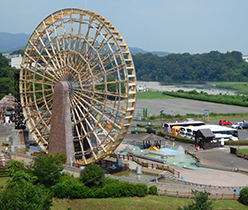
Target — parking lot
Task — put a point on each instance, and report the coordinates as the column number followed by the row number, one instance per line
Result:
column 185, row 106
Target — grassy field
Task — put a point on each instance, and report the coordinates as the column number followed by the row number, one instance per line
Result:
column 3, row 179
column 160, row 95
column 152, row 95
column 136, row 203
column 243, row 151
column 232, row 85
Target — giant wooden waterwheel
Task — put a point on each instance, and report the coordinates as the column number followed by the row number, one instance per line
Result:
column 85, row 50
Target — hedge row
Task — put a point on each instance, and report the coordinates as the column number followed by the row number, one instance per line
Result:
column 238, row 100
column 138, row 132
column 177, row 138
column 74, row 189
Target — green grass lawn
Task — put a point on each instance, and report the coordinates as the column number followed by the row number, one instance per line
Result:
column 159, row 95
column 232, row 85
column 136, row 203
column 152, row 95
column 3, row 179
column 243, row 151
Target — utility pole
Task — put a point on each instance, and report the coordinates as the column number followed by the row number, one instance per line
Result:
column 161, row 118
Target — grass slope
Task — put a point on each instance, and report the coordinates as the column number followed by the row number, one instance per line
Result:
column 136, row 203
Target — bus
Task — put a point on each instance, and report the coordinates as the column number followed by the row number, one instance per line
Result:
column 168, row 126
column 175, row 130
column 216, row 129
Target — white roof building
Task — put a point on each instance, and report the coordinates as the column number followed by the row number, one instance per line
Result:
column 245, row 58
column 16, row 61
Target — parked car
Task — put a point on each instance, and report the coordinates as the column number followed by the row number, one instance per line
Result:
column 244, row 125
column 237, row 124
column 225, row 122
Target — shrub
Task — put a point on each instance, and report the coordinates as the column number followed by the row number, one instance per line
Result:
column 244, row 196
column 200, row 202
column 141, row 190
column 24, row 195
column 71, row 188
column 92, row 175
column 138, row 131
column 15, row 166
column 153, row 190
column 17, row 178
column 48, row 168
column 116, row 188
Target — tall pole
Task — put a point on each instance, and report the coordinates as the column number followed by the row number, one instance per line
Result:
column 161, row 118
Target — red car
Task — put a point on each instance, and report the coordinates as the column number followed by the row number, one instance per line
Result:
column 225, row 122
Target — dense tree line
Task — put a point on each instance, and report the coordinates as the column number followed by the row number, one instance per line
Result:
column 213, row 66
column 7, row 77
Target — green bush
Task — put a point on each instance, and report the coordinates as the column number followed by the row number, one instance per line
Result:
column 244, row 196
column 177, row 138
column 238, row 100
column 48, row 168
column 115, row 188
column 26, row 196
column 92, row 175
column 153, row 190
column 14, row 166
column 71, row 188
column 141, row 190
column 200, row 202
column 138, row 131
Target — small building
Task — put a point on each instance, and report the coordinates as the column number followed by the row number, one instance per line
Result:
column 16, row 61
column 141, row 89
column 204, row 138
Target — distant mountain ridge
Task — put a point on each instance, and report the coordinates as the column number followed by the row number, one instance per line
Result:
column 10, row 42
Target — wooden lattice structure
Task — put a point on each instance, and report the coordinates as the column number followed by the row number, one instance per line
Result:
column 85, row 50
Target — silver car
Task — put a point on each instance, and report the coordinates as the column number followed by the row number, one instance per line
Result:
column 237, row 124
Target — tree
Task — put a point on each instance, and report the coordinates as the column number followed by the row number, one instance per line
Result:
column 26, row 196
column 200, row 201
column 15, row 166
column 3, row 61
column 18, row 52
column 48, row 168
column 244, row 196
column 92, row 175
column 186, row 67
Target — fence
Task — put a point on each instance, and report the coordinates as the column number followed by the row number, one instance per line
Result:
column 148, row 165
column 181, row 194
column 4, row 159
column 140, row 113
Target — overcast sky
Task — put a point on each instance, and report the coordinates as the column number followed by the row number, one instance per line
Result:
column 176, row 26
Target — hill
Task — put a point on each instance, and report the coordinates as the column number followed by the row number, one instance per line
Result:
column 11, row 42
